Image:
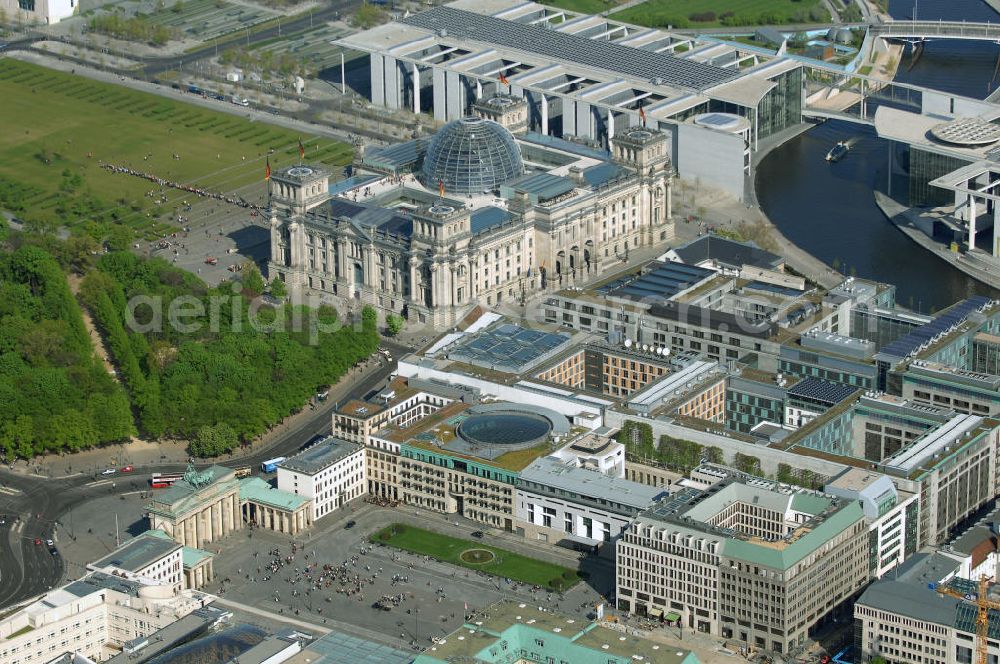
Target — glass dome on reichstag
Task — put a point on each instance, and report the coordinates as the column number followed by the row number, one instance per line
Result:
column 471, row 156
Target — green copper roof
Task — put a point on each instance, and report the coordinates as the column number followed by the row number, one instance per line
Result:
column 809, row 503
column 190, row 556
column 784, row 558
column 256, row 490
column 518, row 632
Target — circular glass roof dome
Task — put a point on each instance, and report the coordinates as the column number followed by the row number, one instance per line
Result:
column 966, row 132
column 471, row 156
column 513, row 430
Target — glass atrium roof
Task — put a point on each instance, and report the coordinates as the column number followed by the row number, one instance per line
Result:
column 471, row 156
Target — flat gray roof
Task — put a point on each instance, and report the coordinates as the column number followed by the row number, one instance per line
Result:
column 263, row 652
column 591, row 483
column 341, row 648
column 98, row 581
column 320, row 456
column 166, row 639
column 138, row 553
column 558, row 45
column 908, row 591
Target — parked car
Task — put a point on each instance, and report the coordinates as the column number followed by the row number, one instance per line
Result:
column 128, row 469
column 478, row 534
column 50, row 542
column 350, row 524
column 54, row 551
column 108, row 471
column 38, row 541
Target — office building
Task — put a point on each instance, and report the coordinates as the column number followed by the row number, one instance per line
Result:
column 746, row 559
column 587, row 78
column 146, row 557
column 893, row 517
column 511, row 632
column 95, row 616
column 330, row 473
column 561, row 502
column 38, row 12
column 902, row 618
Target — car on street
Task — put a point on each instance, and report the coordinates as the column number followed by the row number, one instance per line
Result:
column 54, row 551
column 38, row 541
column 350, row 524
column 50, row 542
column 478, row 534
column 108, row 471
column 128, row 469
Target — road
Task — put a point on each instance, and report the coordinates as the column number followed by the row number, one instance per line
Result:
column 28, row 570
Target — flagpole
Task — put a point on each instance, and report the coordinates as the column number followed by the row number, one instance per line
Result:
column 267, row 183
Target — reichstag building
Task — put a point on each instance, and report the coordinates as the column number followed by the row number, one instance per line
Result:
column 482, row 212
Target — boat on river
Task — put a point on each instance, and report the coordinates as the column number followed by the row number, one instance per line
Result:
column 838, row 151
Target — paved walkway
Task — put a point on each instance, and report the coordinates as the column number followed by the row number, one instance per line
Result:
column 798, row 259
column 308, row 626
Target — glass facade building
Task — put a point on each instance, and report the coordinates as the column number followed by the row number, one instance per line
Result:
column 748, row 403
column 782, row 106
column 471, row 156
column 924, row 167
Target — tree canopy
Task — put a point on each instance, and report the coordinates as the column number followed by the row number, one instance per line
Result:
column 675, row 454
column 193, row 356
column 394, row 324
column 56, row 394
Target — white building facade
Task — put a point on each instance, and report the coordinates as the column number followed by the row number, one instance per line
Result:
column 330, row 473
column 38, row 12
column 148, row 558
column 557, row 500
column 94, row 616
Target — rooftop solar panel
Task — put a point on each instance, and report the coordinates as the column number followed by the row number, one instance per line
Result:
column 507, row 347
column 507, row 330
column 902, row 348
column 529, row 336
column 665, row 280
column 610, row 56
column 482, row 344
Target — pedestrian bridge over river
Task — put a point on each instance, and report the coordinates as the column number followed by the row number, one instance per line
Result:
column 926, row 30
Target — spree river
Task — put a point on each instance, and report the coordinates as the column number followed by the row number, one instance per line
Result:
column 829, row 209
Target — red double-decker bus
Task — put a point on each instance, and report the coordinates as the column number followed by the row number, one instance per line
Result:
column 163, row 480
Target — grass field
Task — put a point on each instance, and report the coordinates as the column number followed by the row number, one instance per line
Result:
column 504, row 563
column 583, row 6
column 58, row 126
column 678, row 13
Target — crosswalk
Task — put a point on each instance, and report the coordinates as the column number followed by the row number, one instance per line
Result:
column 10, row 491
column 98, row 483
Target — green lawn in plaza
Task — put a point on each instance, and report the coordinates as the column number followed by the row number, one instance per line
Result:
column 502, row 563
column 59, row 127
column 710, row 13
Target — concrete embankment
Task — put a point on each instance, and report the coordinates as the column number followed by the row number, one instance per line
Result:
column 799, row 260
column 904, row 218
